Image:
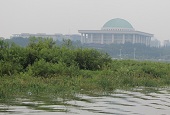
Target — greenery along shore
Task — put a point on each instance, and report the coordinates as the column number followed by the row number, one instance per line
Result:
column 43, row 68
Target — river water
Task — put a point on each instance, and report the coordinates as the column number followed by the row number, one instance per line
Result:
column 139, row 101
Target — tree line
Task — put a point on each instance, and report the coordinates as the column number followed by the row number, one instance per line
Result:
column 43, row 57
column 141, row 51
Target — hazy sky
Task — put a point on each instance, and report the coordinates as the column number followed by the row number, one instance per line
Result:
column 68, row 16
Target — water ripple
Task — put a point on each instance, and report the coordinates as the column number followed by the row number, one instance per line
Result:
column 141, row 101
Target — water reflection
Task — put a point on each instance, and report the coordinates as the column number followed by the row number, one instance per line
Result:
column 139, row 101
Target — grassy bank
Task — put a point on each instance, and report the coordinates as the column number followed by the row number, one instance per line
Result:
column 121, row 75
column 44, row 69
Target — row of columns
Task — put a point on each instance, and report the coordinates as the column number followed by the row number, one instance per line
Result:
column 88, row 38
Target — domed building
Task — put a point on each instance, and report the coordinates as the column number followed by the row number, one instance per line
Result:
column 117, row 31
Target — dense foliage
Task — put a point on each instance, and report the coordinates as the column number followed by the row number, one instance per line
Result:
column 42, row 57
column 46, row 69
column 142, row 52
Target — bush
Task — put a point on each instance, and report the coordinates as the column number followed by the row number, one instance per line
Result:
column 90, row 59
column 9, row 68
column 46, row 69
column 43, row 57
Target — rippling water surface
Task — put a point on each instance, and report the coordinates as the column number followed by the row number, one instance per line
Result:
column 140, row 101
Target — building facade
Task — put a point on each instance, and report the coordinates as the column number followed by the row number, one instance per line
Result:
column 117, row 31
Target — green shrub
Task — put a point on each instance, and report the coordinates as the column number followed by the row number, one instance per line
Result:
column 90, row 59
column 46, row 69
column 9, row 68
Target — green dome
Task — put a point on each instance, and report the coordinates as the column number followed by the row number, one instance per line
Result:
column 118, row 23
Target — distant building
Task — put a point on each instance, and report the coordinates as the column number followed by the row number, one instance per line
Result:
column 60, row 37
column 117, row 31
column 73, row 37
column 166, row 43
column 43, row 35
column 155, row 43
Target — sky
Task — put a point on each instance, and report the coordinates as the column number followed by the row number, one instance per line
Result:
column 69, row 16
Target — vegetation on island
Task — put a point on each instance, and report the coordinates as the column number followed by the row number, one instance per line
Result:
column 45, row 68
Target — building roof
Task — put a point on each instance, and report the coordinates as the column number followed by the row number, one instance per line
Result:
column 117, row 23
column 115, row 32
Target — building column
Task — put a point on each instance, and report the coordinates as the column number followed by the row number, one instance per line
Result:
column 101, row 38
column 140, row 39
column 149, row 41
column 82, row 38
column 133, row 38
column 136, row 38
column 85, row 38
column 91, row 40
column 112, row 38
column 123, row 39
column 145, row 41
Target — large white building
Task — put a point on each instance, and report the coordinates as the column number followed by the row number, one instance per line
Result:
column 117, row 31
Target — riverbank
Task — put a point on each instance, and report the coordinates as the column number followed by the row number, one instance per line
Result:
column 121, row 75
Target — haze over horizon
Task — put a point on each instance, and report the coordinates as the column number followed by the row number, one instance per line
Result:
column 69, row 16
